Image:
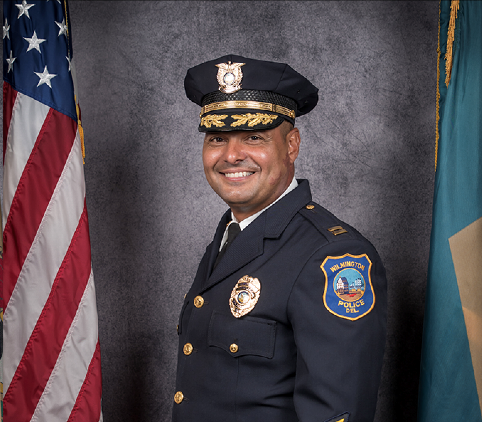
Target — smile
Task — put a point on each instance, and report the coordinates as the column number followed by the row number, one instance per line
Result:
column 239, row 174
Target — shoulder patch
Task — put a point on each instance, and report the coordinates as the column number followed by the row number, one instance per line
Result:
column 348, row 286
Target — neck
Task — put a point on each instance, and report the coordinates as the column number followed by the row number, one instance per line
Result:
column 240, row 216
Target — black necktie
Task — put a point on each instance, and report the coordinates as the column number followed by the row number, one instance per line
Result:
column 233, row 231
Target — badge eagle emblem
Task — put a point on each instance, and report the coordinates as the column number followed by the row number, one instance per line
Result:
column 229, row 77
column 244, row 296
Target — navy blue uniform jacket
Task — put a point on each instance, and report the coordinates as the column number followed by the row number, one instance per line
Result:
column 295, row 360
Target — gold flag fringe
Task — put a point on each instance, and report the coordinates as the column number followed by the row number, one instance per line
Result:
column 454, row 7
column 77, row 109
column 437, row 97
column 67, row 27
column 81, row 130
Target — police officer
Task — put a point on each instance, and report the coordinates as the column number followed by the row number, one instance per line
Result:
column 285, row 320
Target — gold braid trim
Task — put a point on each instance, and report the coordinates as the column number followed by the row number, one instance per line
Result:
column 223, row 105
column 437, row 97
column 253, row 119
column 454, row 7
column 213, row 119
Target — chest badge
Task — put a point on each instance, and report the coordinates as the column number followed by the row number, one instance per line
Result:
column 244, row 296
column 348, row 290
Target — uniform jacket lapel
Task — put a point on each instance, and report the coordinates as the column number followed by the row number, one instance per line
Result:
column 206, row 266
column 249, row 243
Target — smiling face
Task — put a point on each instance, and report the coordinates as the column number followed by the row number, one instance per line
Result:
column 250, row 169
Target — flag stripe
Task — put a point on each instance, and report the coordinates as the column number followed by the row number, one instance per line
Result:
column 28, row 117
column 82, row 412
column 9, row 97
column 42, row 263
column 78, row 350
column 46, row 341
column 34, row 192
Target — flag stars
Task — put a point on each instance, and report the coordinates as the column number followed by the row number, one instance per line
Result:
column 45, row 77
column 10, row 61
column 63, row 27
column 34, row 42
column 23, row 9
column 68, row 59
column 6, row 28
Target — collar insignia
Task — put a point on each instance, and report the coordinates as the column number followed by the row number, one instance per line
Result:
column 244, row 296
column 229, row 77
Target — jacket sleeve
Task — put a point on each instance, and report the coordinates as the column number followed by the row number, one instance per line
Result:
column 339, row 346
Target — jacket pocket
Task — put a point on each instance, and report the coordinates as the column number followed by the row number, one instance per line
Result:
column 242, row 337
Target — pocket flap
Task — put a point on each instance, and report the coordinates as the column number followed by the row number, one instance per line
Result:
column 243, row 336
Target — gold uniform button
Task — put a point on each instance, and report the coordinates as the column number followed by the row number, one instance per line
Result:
column 187, row 349
column 310, row 207
column 178, row 397
column 198, row 301
column 233, row 348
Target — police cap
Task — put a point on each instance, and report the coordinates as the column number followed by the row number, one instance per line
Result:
column 238, row 93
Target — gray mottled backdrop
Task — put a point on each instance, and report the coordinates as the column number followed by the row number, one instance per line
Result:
column 367, row 148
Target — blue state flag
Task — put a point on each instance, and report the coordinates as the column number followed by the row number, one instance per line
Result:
column 451, row 365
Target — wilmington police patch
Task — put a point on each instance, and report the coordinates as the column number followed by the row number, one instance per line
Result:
column 348, row 290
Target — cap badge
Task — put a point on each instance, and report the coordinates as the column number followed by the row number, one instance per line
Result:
column 229, row 77
column 244, row 296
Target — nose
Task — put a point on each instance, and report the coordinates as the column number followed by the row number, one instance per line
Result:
column 234, row 152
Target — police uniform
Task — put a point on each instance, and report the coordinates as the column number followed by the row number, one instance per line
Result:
column 290, row 324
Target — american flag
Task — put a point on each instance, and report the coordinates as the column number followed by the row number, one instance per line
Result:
column 51, row 359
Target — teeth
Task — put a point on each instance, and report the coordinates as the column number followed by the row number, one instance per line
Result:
column 239, row 174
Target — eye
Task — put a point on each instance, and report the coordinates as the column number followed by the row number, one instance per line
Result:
column 216, row 140
column 254, row 138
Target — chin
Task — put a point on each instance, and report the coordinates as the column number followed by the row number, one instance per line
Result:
column 234, row 201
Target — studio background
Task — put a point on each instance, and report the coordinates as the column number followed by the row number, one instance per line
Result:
column 367, row 149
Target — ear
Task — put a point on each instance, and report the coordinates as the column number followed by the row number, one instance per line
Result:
column 293, row 139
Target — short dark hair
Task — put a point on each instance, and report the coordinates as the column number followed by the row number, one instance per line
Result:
column 286, row 127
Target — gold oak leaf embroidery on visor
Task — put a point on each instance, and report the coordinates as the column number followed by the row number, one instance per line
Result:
column 253, row 119
column 213, row 119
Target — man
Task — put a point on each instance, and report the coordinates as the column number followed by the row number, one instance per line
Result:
column 285, row 320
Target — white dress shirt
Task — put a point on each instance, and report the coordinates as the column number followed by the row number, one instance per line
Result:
column 247, row 221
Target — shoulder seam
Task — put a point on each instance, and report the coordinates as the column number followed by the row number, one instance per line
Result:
column 334, row 231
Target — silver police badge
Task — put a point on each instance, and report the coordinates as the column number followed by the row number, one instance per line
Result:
column 229, row 77
column 244, row 296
